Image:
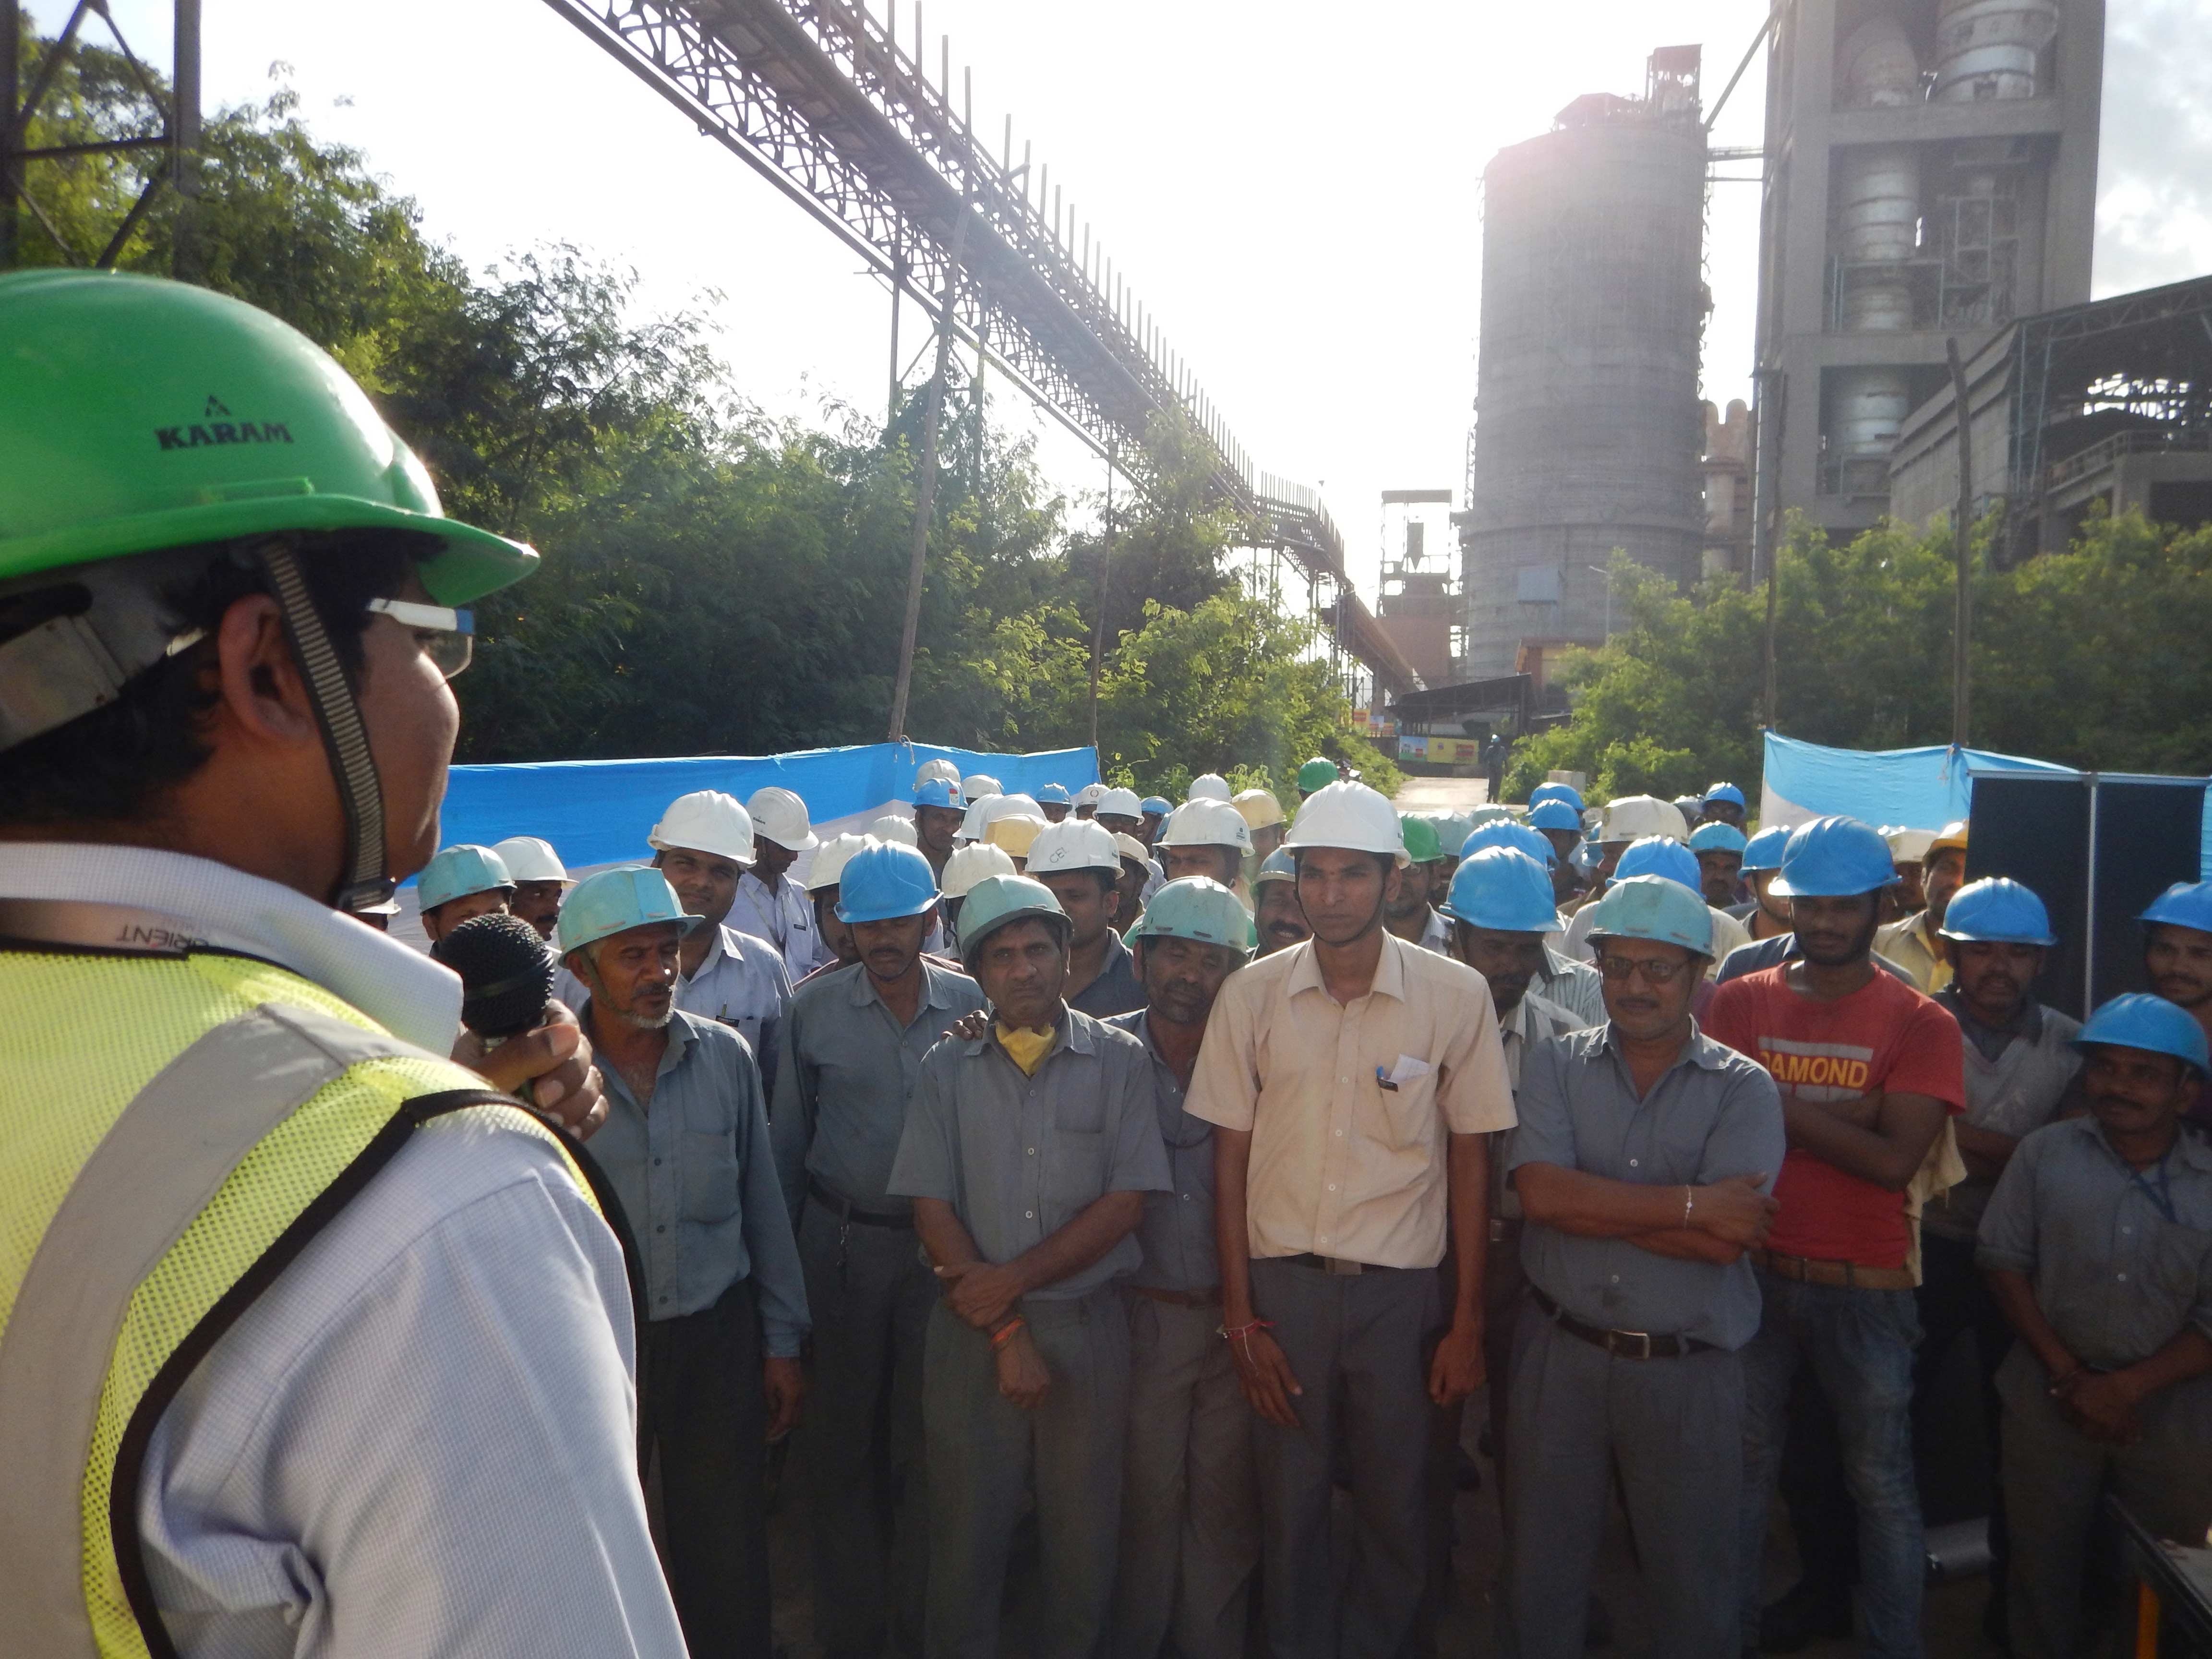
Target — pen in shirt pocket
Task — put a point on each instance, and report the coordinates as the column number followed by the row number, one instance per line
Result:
column 1382, row 1077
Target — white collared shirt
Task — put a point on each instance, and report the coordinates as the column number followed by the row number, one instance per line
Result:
column 784, row 916
column 340, row 1476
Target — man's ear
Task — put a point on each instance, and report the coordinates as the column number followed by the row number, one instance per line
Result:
column 259, row 685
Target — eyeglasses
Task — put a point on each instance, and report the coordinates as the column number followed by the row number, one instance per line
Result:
column 447, row 636
column 1655, row 973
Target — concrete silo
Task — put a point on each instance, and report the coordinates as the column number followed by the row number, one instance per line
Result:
column 1588, row 425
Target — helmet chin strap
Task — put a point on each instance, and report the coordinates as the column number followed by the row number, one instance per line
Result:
column 362, row 881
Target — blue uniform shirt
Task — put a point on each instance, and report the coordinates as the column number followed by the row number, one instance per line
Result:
column 1712, row 1115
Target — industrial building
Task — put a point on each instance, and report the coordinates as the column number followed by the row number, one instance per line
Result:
column 1727, row 470
column 1417, row 607
column 1931, row 171
column 1589, row 431
column 2106, row 403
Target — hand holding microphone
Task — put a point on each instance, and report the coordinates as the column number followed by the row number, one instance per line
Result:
column 516, row 1036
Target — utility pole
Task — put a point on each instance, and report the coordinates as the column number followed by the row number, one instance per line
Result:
column 11, row 170
column 898, row 282
column 1098, row 616
column 1962, row 545
column 925, row 506
column 186, row 263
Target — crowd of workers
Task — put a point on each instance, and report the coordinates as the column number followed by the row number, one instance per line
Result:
column 1115, row 1195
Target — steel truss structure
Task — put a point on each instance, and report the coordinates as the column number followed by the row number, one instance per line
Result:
column 819, row 97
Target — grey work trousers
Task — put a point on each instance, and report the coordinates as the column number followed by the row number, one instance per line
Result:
column 2054, row 1478
column 1358, row 1345
column 1673, row 1430
column 859, row 1447
column 1190, row 1504
column 986, row 1454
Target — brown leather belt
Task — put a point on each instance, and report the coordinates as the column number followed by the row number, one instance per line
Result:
column 1808, row 1270
column 1206, row 1298
column 1622, row 1344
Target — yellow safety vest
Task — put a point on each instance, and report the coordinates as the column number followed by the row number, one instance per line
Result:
column 174, row 1127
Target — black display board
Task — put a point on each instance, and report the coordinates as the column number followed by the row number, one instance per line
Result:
column 2097, row 848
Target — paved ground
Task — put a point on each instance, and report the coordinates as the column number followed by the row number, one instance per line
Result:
column 1441, row 795
column 1952, row 1625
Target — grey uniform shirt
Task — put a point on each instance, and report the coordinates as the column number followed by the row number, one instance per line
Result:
column 1532, row 1020
column 697, row 1182
column 2117, row 1278
column 2015, row 1094
column 1574, row 986
column 784, row 916
column 1176, row 1234
column 1711, row 1115
column 1117, row 989
column 1019, row 1158
column 848, row 1072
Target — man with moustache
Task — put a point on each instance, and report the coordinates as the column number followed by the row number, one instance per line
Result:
column 1028, row 1151
column 723, row 1308
column 2177, row 961
column 1276, row 912
column 1352, row 1081
column 1869, row 1070
column 2096, row 1243
column 853, row 1049
column 1915, row 943
column 1190, row 1523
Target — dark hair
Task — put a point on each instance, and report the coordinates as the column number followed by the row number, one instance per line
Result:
column 1384, row 863
column 112, row 766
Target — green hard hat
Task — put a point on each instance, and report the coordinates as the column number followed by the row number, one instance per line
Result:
column 1197, row 907
column 138, row 414
column 1315, row 773
column 1420, row 838
column 997, row 900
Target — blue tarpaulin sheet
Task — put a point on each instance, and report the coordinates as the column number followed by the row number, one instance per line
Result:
column 1909, row 788
column 598, row 813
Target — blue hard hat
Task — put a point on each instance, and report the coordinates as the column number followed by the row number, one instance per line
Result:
column 1764, row 850
column 2185, row 904
column 1717, row 837
column 1504, row 887
column 1544, row 792
column 1727, row 792
column 1656, row 908
column 936, row 791
column 1834, row 858
column 1661, row 856
column 1159, row 804
column 1055, row 793
column 614, row 901
column 884, row 882
column 1510, row 832
column 457, row 871
column 2138, row 1020
column 1554, row 814
column 1998, row 910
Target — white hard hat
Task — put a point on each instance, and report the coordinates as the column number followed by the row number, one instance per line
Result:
column 1259, row 807
column 1011, row 807
column 1130, row 848
column 707, row 821
column 1905, row 846
column 1204, row 821
column 1631, row 817
column 1350, row 817
column 1090, row 793
column 892, row 827
column 781, row 816
column 1209, row 786
column 940, row 768
column 971, row 827
column 980, row 783
column 527, row 858
column 830, row 858
column 970, row 865
column 1074, row 844
column 1122, row 803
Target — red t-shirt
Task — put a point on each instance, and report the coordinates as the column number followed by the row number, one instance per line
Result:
column 1885, row 1038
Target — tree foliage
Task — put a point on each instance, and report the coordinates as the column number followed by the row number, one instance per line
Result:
column 712, row 580
column 2093, row 657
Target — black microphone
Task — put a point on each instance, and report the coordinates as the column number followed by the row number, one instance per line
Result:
column 507, row 975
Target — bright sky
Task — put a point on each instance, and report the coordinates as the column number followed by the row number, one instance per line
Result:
column 1292, row 188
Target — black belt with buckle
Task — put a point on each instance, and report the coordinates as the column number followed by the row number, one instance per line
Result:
column 1335, row 1264
column 1622, row 1344
column 845, row 1210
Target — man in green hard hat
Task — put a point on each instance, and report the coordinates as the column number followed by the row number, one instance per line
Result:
column 1409, row 914
column 1316, row 774
column 282, row 1277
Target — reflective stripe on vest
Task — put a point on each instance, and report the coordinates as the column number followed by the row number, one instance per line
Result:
column 184, row 1201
